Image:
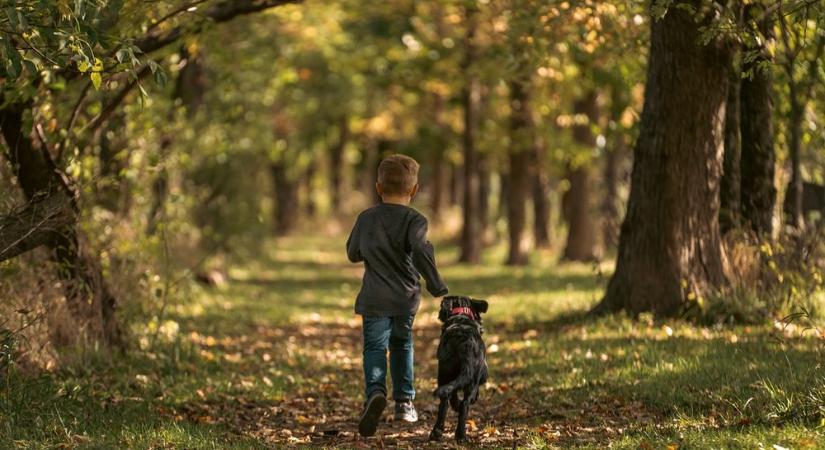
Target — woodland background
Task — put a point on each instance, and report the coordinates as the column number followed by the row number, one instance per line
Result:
column 637, row 187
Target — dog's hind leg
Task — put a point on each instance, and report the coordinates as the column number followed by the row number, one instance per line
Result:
column 438, row 428
column 454, row 402
column 461, row 428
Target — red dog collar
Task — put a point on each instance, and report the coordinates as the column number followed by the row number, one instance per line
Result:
column 464, row 311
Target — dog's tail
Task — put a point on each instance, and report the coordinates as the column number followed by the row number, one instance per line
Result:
column 464, row 378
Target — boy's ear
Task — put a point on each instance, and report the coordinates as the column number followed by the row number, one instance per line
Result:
column 378, row 189
column 446, row 307
column 479, row 306
column 414, row 191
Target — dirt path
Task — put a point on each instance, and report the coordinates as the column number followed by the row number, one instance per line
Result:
column 321, row 409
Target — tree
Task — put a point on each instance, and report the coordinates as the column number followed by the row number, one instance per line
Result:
column 582, row 240
column 730, row 186
column 758, row 156
column 35, row 51
column 800, row 90
column 470, row 97
column 520, row 153
column 670, row 247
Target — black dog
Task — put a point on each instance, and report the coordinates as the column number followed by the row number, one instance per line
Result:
column 462, row 363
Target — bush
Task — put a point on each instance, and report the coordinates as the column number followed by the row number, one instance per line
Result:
column 769, row 280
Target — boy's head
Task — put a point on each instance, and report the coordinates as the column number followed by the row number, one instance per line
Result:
column 397, row 177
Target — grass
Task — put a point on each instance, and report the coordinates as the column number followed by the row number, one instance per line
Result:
column 272, row 360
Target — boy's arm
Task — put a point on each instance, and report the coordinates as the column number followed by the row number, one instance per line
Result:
column 423, row 257
column 354, row 244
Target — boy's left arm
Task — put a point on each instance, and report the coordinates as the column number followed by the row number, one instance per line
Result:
column 423, row 257
column 354, row 244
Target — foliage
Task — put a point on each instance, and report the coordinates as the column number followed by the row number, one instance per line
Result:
column 272, row 360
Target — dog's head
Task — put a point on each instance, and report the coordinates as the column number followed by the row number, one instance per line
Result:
column 451, row 302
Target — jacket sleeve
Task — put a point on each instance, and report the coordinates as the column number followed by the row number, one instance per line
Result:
column 354, row 243
column 423, row 256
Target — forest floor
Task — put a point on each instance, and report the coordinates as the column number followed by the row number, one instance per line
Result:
column 272, row 359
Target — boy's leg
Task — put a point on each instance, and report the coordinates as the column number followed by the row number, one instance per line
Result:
column 401, row 358
column 376, row 338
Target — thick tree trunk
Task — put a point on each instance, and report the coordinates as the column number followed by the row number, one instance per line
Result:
column 337, row 163
column 37, row 223
column 81, row 274
column 286, row 199
column 470, row 96
column 730, row 195
column 758, row 193
column 670, row 246
column 521, row 150
column 582, row 240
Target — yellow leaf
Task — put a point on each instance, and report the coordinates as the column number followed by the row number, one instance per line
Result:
column 97, row 80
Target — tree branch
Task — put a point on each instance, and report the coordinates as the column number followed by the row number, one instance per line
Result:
column 224, row 11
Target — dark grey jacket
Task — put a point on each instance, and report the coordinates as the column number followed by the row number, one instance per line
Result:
column 392, row 242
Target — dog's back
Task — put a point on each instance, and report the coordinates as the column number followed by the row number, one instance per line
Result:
column 461, row 362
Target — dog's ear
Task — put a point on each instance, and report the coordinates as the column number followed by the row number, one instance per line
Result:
column 446, row 307
column 479, row 306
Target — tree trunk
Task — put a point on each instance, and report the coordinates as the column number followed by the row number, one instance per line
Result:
column 522, row 148
column 112, row 189
column 758, row 194
column 337, row 163
column 438, row 181
column 610, row 206
column 455, row 184
column 37, row 223
column 81, row 274
column 483, row 197
column 793, row 196
column 470, row 96
column 670, row 246
column 730, row 196
column 309, row 188
column 581, row 229
column 541, row 199
column 286, row 199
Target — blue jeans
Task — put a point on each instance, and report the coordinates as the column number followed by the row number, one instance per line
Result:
column 393, row 333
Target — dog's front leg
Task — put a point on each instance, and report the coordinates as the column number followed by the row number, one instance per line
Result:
column 438, row 428
column 461, row 428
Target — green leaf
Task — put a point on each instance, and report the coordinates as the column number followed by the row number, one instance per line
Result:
column 122, row 55
column 14, row 64
column 11, row 13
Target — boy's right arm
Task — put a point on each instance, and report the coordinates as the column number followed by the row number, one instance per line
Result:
column 354, row 244
column 423, row 257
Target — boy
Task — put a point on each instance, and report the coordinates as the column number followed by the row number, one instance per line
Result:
column 391, row 239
